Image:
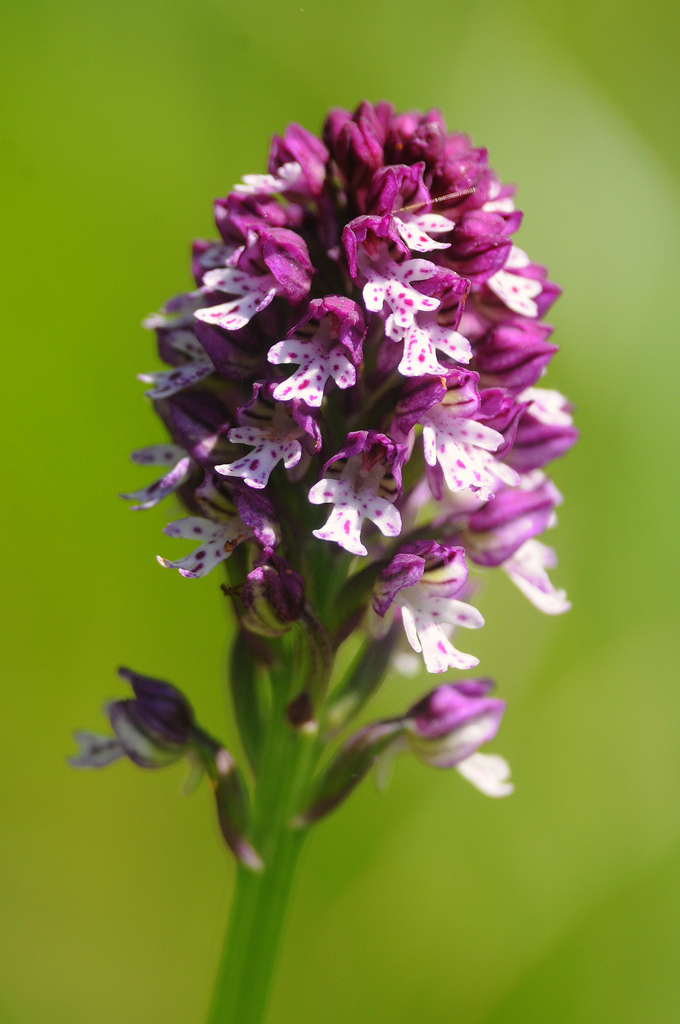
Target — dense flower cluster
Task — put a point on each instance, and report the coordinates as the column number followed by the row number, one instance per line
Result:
column 353, row 406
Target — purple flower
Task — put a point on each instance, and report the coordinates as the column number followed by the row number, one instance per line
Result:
column 423, row 580
column 298, row 146
column 446, row 728
column 153, row 729
column 332, row 351
column 160, row 455
column 157, row 728
column 273, row 261
column 363, row 334
column 367, row 487
column 501, row 526
column 348, row 289
column 544, row 432
column 513, row 353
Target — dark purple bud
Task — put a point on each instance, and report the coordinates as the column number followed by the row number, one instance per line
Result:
column 380, row 116
column 499, row 410
column 300, row 146
column 156, row 727
column 199, row 421
column 479, row 246
column 461, row 167
column 240, row 212
column 236, row 354
column 511, row 518
column 414, row 136
column 397, row 186
column 163, row 710
column 358, row 152
column 273, row 598
column 335, row 121
column 537, row 443
column 513, row 354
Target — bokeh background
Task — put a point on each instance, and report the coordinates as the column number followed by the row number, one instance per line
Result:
column 121, row 121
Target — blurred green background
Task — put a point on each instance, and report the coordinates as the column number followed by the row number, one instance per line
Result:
column 121, row 121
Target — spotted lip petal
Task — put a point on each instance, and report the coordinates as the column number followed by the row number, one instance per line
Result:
column 317, row 365
column 352, row 505
column 149, row 496
column 218, row 540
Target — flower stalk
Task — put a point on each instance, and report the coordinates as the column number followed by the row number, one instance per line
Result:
column 255, row 929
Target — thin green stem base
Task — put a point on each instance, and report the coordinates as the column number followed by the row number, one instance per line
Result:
column 258, row 912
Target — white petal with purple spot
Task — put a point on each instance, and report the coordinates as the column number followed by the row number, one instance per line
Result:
column 316, row 366
column 150, row 495
column 352, row 506
column 518, row 293
column 270, row 446
column 218, row 540
column 527, row 570
column 547, row 406
column 169, row 382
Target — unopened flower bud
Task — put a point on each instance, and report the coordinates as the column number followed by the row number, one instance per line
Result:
column 273, row 598
column 154, row 729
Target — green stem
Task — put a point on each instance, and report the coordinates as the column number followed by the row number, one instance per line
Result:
column 258, row 912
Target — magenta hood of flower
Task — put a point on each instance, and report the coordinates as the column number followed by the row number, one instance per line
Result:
column 372, row 236
column 301, row 147
column 441, row 566
column 344, row 319
column 514, row 354
column 538, row 442
column 396, row 186
column 506, row 522
column 284, row 254
column 239, row 213
column 449, row 724
column 373, row 448
column 458, row 388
